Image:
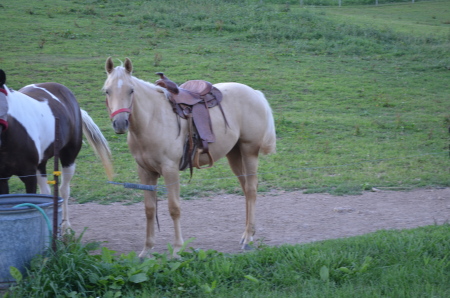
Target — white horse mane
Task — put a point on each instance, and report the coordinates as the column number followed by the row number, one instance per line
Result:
column 120, row 72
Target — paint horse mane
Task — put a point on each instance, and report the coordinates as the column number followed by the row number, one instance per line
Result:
column 27, row 135
column 156, row 140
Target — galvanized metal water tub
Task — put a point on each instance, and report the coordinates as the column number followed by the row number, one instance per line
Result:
column 24, row 232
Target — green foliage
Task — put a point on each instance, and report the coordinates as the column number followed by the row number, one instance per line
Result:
column 409, row 263
column 16, row 274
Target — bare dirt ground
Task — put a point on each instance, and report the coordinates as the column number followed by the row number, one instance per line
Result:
column 282, row 218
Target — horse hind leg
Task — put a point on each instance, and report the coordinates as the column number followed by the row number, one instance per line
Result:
column 235, row 161
column 41, row 175
column 244, row 166
column 64, row 189
column 171, row 179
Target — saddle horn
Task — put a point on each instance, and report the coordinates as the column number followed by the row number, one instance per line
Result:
column 166, row 83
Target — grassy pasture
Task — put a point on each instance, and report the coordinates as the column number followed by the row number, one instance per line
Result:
column 357, row 104
column 360, row 99
column 409, row 263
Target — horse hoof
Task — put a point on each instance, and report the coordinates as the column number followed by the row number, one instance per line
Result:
column 146, row 254
column 247, row 247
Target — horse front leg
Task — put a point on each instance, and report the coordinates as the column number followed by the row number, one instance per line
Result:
column 4, row 186
column 150, row 204
column 172, row 180
column 30, row 182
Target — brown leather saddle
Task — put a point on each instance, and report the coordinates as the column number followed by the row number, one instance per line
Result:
column 192, row 101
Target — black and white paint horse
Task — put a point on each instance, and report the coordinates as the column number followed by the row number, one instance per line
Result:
column 27, row 134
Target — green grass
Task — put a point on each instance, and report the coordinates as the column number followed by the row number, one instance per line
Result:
column 360, row 99
column 409, row 263
column 357, row 103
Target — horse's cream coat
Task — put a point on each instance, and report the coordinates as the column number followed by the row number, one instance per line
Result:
column 156, row 141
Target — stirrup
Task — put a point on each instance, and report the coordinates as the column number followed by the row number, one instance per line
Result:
column 197, row 160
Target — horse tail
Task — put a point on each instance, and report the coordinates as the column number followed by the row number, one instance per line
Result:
column 98, row 142
column 270, row 138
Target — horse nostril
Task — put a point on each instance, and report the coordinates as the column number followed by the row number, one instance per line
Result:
column 120, row 126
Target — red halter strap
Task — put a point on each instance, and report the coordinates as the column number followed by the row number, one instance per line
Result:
column 4, row 123
column 124, row 110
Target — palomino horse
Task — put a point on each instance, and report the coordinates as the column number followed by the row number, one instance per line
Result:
column 27, row 134
column 156, row 139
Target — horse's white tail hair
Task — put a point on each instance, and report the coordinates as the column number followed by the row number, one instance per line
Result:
column 270, row 138
column 98, row 142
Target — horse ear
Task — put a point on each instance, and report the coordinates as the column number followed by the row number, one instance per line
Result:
column 2, row 77
column 109, row 66
column 128, row 65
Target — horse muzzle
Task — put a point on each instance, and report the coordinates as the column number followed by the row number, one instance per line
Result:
column 120, row 123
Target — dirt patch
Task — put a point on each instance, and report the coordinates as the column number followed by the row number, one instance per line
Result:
column 282, row 217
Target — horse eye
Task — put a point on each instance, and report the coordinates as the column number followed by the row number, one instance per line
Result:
column 132, row 91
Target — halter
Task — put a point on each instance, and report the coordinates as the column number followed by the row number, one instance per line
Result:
column 123, row 110
column 4, row 123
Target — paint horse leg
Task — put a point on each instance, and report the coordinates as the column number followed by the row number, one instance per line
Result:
column 44, row 188
column 150, row 203
column 30, row 182
column 64, row 189
column 64, row 192
column 4, row 187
